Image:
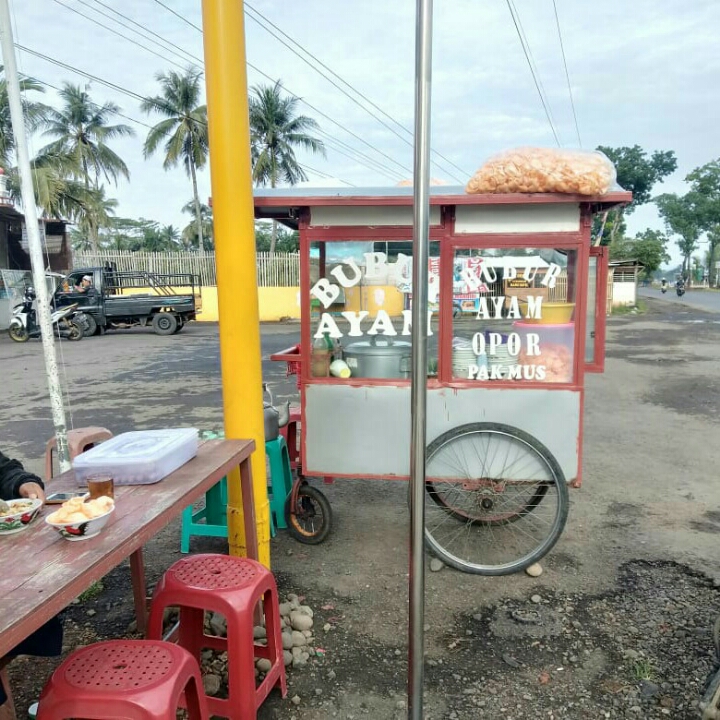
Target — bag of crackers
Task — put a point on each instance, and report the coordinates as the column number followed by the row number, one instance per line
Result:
column 545, row 170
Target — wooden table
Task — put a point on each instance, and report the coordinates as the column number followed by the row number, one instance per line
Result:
column 41, row 572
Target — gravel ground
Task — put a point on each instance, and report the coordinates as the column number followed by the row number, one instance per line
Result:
column 617, row 626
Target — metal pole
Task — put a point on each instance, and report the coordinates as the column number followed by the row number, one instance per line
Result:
column 33, row 232
column 234, row 222
column 418, row 385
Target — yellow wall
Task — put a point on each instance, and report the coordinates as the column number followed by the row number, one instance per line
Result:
column 373, row 298
column 277, row 303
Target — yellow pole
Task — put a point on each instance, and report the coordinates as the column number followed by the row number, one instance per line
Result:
column 230, row 170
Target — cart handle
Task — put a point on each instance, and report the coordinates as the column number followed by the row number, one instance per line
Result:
column 291, row 353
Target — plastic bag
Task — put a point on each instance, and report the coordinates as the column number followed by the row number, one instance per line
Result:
column 543, row 170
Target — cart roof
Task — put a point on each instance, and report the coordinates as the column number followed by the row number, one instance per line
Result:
column 283, row 203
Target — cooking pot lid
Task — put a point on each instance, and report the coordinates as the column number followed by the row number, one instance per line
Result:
column 379, row 346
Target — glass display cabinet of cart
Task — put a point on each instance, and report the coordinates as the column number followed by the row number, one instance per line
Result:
column 517, row 301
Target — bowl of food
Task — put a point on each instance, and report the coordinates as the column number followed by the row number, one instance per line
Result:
column 16, row 515
column 81, row 518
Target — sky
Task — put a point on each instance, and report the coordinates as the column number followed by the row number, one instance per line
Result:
column 641, row 72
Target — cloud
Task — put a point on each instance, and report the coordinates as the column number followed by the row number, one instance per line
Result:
column 643, row 72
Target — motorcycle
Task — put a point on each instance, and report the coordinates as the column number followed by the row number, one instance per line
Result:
column 680, row 289
column 66, row 321
column 663, row 288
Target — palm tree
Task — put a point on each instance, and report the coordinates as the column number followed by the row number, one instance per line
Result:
column 189, row 234
column 276, row 130
column 184, row 130
column 35, row 114
column 82, row 129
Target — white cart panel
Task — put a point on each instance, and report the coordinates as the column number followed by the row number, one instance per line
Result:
column 364, row 431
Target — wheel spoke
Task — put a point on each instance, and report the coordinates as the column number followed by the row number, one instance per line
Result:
column 499, row 499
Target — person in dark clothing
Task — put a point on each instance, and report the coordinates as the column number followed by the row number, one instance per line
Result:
column 16, row 482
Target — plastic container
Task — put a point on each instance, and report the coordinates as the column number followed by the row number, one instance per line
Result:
column 141, row 457
column 556, row 344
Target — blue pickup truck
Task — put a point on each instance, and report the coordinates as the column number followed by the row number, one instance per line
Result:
column 113, row 299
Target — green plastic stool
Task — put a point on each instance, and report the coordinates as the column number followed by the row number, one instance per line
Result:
column 211, row 521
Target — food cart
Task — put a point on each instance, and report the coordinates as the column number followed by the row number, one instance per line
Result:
column 517, row 298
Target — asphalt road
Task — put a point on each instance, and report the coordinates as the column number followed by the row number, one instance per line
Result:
column 649, row 496
column 708, row 300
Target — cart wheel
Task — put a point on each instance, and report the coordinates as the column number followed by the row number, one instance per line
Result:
column 507, row 490
column 309, row 522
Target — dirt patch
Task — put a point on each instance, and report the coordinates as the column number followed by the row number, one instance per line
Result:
column 646, row 644
column 698, row 396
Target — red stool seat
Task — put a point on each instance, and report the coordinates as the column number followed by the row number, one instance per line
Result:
column 125, row 680
column 232, row 587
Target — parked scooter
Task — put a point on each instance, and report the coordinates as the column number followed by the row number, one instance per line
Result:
column 66, row 321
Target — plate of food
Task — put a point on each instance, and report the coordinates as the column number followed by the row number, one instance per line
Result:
column 16, row 515
column 80, row 518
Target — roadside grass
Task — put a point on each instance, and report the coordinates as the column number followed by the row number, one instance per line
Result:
column 638, row 309
column 93, row 591
column 643, row 670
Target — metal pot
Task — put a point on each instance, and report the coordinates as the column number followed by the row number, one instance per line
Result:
column 379, row 357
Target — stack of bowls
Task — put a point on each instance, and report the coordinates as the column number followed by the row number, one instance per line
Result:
column 463, row 357
column 500, row 356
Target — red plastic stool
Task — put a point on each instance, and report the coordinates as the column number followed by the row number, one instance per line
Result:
column 231, row 586
column 79, row 440
column 125, row 680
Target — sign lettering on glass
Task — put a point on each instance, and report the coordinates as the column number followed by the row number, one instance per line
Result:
column 526, row 358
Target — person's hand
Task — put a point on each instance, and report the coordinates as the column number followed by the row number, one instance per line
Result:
column 32, row 491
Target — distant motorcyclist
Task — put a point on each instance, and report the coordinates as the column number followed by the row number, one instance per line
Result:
column 664, row 285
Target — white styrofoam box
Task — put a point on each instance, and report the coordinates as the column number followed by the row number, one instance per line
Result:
column 141, row 457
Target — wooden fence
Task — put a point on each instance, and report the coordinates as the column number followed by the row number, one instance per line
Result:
column 280, row 270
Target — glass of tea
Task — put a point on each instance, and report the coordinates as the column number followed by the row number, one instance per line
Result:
column 100, row 486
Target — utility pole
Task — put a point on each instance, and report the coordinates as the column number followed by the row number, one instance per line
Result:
column 234, row 223
column 418, row 383
column 33, row 232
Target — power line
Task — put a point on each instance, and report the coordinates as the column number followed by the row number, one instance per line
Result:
column 532, row 71
column 178, row 15
column 345, row 82
column 305, row 102
column 117, row 88
column 119, row 34
column 532, row 60
column 96, row 105
column 567, row 74
column 145, row 29
column 336, row 85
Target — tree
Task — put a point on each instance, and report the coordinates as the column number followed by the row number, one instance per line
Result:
column 705, row 194
column 286, row 241
column 184, row 131
column 638, row 172
column 276, row 131
column 189, row 235
column 680, row 215
column 81, row 130
column 35, row 114
column 649, row 247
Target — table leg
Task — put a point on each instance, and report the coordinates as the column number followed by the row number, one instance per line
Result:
column 137, row 573
column 246, row 485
